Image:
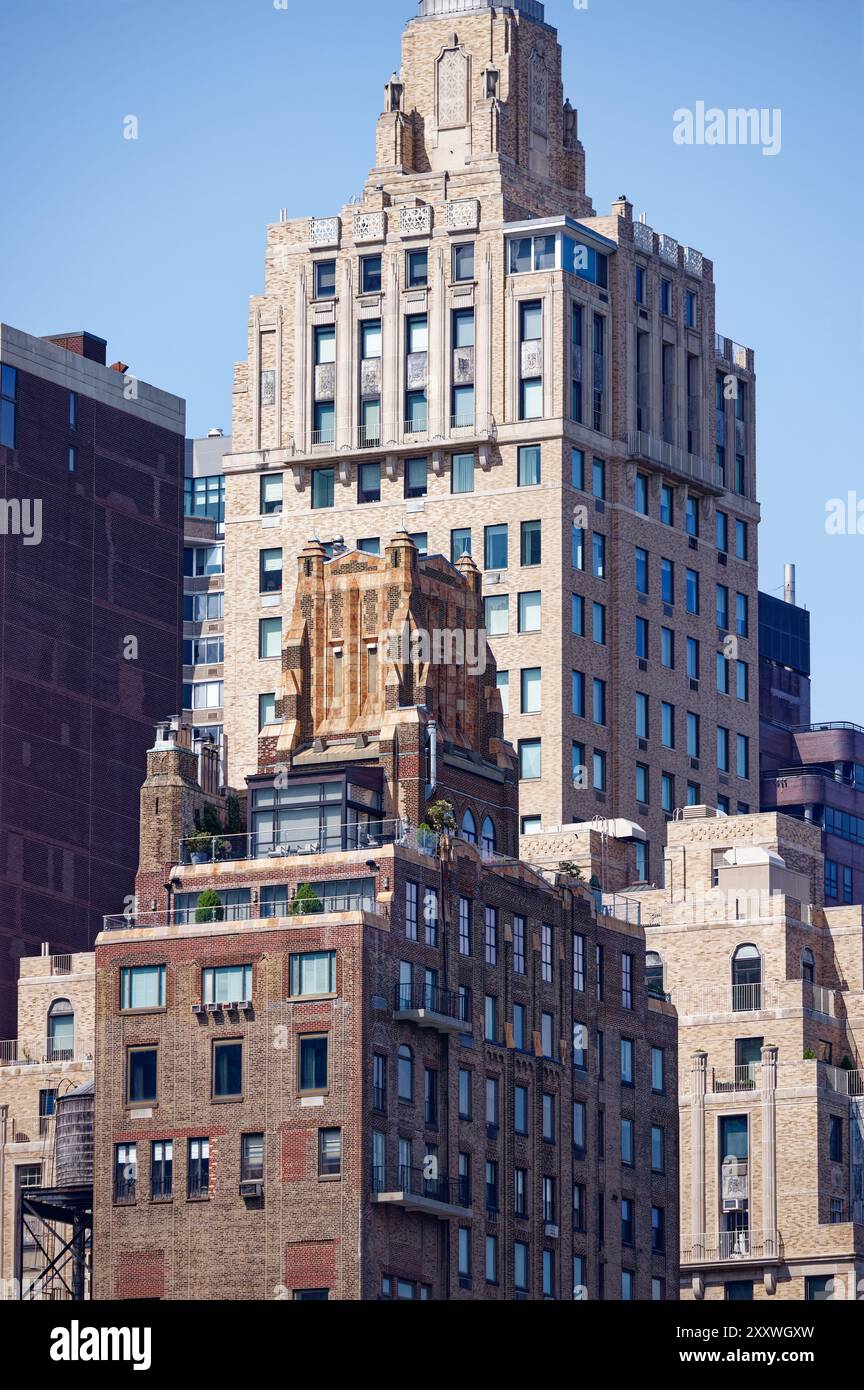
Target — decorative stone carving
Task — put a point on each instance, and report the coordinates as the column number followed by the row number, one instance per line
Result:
column 463, row 215
column 452, row 89
column 693, row 261
column 539, row 94
column 571, row 133
column 415, row 221
column 370, row 377
column 324, row 231
column 668, row 249
column 643, row 236
column 463, row 366
column 325, row 381
column 532, row 359
column 370, row 226
column 297, row 474
column 416, row 370
column 268, row 387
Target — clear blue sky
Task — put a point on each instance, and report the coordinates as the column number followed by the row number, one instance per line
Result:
column 156, row 244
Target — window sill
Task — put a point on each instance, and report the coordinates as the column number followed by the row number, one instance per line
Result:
column 140, row 1013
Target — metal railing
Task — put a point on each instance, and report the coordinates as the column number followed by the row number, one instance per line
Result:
column 413, row 1183
column 14, row 1052
column 725, row 999
column 744, row 1244
column 197, row 1186
column 447, row 1002
column 845, row 1083
column 61, row 965
column 161, row 1189
column 740, row 1078
column 347, row 838
column 125, row 1189
column 655, row 450
column 238, row 912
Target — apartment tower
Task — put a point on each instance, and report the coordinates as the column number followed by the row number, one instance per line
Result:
column 353, row 1052
column 473, row 354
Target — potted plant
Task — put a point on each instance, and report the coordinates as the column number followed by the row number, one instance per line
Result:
column 209, row 907
column 809, row 1055
column 200, row 845
column 570, row 869
column 440, row 817
column 305, row 901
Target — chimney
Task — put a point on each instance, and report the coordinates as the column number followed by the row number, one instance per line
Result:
column 622, row 207
column 789, row 584
column 83, row 343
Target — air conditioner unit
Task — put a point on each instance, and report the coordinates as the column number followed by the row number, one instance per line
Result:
column 643, row 664
column 551, row 1231
column 694, row 544
column 214, row 1008
column 642, row 745
column 245, row 1006
column 694, row 763
column 723, row 558
column 694, row 685
column 198, row 1009
column 251, row 1189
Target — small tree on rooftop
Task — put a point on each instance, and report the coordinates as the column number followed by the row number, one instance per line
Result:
column 305, row 901
column 209, row 907
column 440, row 817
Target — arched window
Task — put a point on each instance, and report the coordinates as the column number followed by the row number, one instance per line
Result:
column 61, row 1031
column 469, row 827
column 405, row 1073
column 487, row 836
column 808, row 966
column 746, row 979
column 653, row 973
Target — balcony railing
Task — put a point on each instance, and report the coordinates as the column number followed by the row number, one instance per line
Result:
column 125, row 1190
column 413, row 1183
column 740, row 1078
column 238, row 912
column 339, row 441
column 346, row 838
column 430, row 999
column 61, row 965
column 16, row 1052
column 729, row 351
column 725, row 999
column 845, row 1083
column 730, row 1246
column 650, row 448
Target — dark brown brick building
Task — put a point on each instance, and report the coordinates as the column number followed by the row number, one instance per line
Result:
column 376, row 1060
column 91, row 486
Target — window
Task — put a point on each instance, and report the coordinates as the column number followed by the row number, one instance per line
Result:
column 628, row 1224
column 411, row 898
column 531, row 543
column 835, row 1138
column 198, row 1168
column 529, row 473
column 692, row 591
column 577, row 469
column 529, row 759
column 227, row 1080
column 490, row 934
column 667, row 581
column 627, row 1285
column 313, row 973
column 464, row 1094
column 640, row 287
column 666, row 298
column 464, row 926
column 577, row 615
column 598, row 701
column 642, row 784
column 742, row 681
column 520, row 1266
column 370, row 274
column 270, row 571
column 627, row 1153
column 818, row 1288
column 369, row 482
column 141, row 1075
column 599, row 770
column 642, row 638
column 530, row 611
column 741, row 540
column 520, row 1109
column 492, row 1102
column 531, row 399
column 519, row 944
column 658, row 1076
column 742, row 619
column 742, row 756
column 598, row 555
column 738, row 1291
column 640, row 494
column 520, row 1026
column 142, row 987
column 417, row 268
column 691, row 520
column 722, row 532
column 580, row 1130
column 161, row 1169
column 462, row 473
column 227, row 984
column 463, row 261
column 491, row 1259
column 125, row 1172
column 577, row 694
column 693, row 665
column 547, row 1025
column 667, row 792
column 325, row 279
column 495, row 547
column 641, row 570
column 416, row 484
column 252, row 1158
column 520, row 1191
column 546, row 965
column 627, row 1056
column 667, row 725
column 548, row 1110
column 722, row 607
column 312, row 1058
column 690, row 303
column 658, row 1149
